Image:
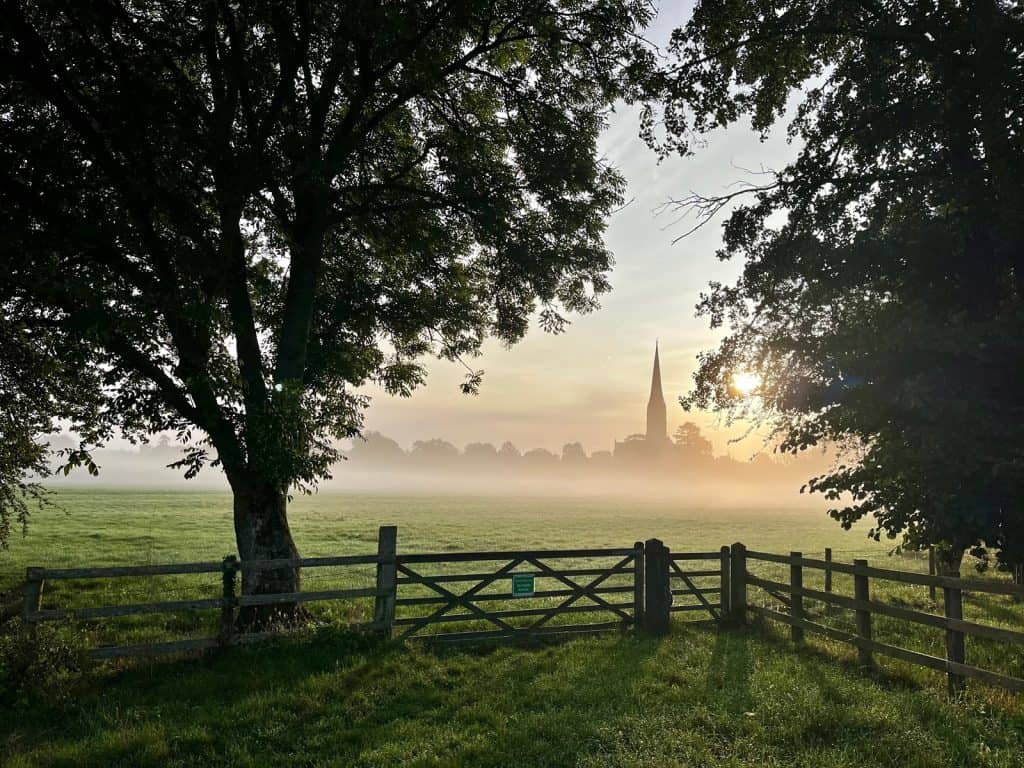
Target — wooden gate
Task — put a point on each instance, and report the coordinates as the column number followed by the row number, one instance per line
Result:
column 710, row 580
column 521, row 594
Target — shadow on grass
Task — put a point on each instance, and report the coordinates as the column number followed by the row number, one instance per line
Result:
column 998, row 607
column 187, row 693
column 537, row 706
column 728, row 678
column 888, row 679
column 340, row 699
column 712, row 697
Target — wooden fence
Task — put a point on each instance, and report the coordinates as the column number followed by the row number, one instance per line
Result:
column 638, row 588
column 792, row 594
column 570, row 584
column 228, row 603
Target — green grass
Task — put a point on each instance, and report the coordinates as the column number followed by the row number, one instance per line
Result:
column 699, row 697
column 696, row 698
column 110, row 526
column 131, row 527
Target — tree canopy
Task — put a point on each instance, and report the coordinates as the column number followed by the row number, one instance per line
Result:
column 222, row 217
column 689, row 439
column 880, row 295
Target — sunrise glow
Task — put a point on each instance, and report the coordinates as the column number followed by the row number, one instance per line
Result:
column 746, row 383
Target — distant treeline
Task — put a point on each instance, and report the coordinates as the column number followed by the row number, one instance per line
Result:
column 684, row 468
column 688, row 453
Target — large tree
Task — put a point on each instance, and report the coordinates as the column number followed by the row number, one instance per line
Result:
column 229, row 214
column 880, row 297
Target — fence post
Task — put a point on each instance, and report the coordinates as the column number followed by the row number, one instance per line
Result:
column 796, row 606
column 229, row 597
column 931, row 571
column 32, row 599
column 657, row 591
column 861, row 591
column 738, row 584
column 723, row 592
column 387, row 579
column 638, row 585
column 953, row 597
column 828, row 571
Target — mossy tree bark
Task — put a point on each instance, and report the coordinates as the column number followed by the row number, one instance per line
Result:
column 262, row 533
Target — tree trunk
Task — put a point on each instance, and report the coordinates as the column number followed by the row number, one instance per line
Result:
column 1018, row 578
column 262, row 533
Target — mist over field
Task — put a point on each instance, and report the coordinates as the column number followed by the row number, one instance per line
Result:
column 690, row 475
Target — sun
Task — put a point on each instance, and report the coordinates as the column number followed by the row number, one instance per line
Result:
column 745, row 382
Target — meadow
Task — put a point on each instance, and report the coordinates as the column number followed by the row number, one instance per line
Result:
column 701, row 696
column 112, row 526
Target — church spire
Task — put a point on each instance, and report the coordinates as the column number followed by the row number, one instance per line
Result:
column 656, row 377
column 657, row 417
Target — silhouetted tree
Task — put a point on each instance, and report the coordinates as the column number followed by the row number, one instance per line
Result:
column 234, row 213
column 573, row 453
column 539, row 458
column 374, row 447
column 508, row 452
column 691, row 443
column 480, row 453
column 434, row 451
column 164, row 451
column 883, row 308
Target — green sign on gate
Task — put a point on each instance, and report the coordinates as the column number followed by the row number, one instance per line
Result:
column 522, row 585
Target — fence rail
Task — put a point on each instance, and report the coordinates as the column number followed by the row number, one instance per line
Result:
column 864, row 607
column 887, row 574
column 228, row 603
column 514, row 554
column 572, row 587
column 575, row 586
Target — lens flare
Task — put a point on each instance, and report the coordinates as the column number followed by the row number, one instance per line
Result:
column 746, row 383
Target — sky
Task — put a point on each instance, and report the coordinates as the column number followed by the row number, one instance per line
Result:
column 591, row 383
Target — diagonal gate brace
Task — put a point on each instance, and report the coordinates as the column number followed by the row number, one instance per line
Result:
column 696, row 592
column 580, row 591
column 463, row 599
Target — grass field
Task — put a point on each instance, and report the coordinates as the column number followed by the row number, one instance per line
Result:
column 700, row 697
column 112, row 526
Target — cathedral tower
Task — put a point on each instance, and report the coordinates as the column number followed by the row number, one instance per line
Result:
column 657, row 429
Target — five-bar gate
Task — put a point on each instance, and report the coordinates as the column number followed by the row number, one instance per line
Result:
column 518, row 593
column 528, row 594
